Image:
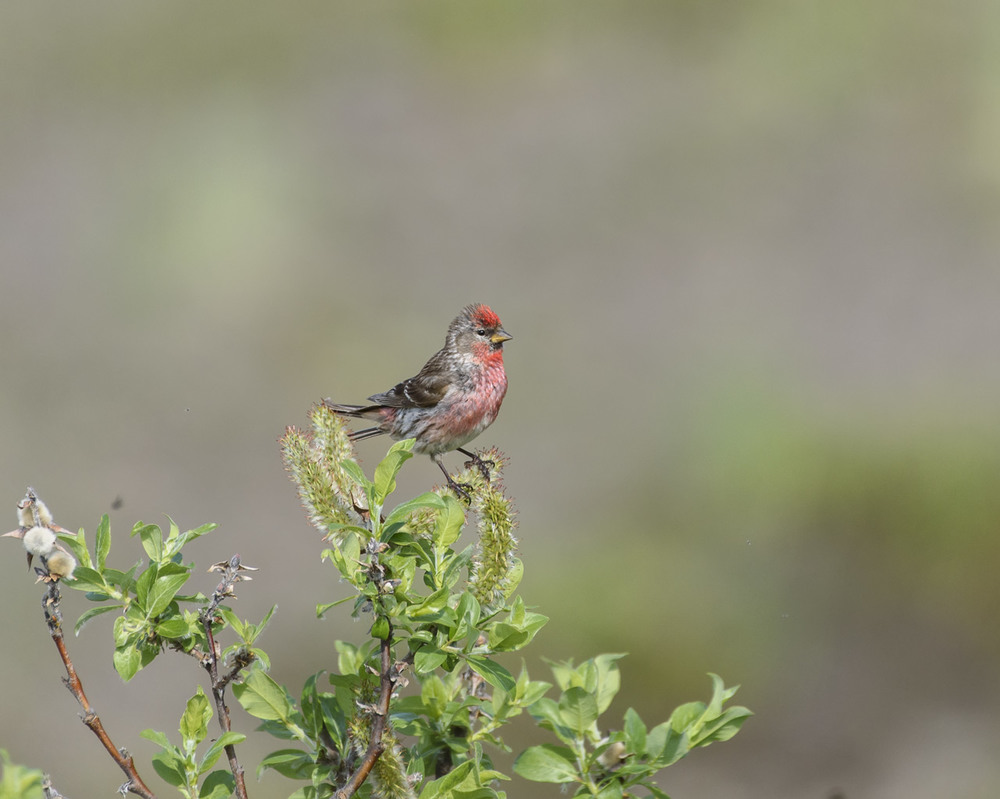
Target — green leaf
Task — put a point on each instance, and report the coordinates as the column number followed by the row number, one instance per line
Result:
column 530, row 691
column 323, row 607
column 127, row 661
column 686, row 715
column 381, row 628
column 340, row 528
column 218, row 747
column 480, row 792
column 309, row 706
column 386, row 471
column 609, row 679
column 103, row 546
column 194, row 722
column 578, row 710
column 292, row 763
column 346, row 558
column 468, row 612
column 664, row 746
column 445, row 785
column 237, row 625
column 218, row 785
column 404, row 509
column 173, row 629
column 426, row 660
column 152, row 540
column 143, row 584
column 599, row 676
column 89, row 614
column 265, row 699
column 495, row 674
column 157, row 737
column 656, row 792
column 19, row 782
column 434, row 696
column 350, row 658
column 431, row 606
column 549, row 717
column 87, row 579
column 723, row 727
column 355, row 472
column 703, row 723
column 124, row 580
column 513, row 579
column 506, row 637
column 259, row 628
column 121, row 628
column 169, row 765
column 546, row 763
column 190, row 535
column 78, row 546
column 450, row 522
column 635, row 733
column 163, row 590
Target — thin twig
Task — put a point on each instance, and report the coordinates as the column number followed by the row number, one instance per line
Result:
column 53, row 617
column 231, row 575
column 375, row 746
column 49, row 790
column 243, row 659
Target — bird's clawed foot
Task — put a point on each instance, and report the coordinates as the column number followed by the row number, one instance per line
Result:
column 484, row 465
column 464, row 490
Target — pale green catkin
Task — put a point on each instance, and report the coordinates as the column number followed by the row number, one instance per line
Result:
column 314, row 462
column 493, row 564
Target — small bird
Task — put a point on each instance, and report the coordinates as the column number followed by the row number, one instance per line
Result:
column 451, row 400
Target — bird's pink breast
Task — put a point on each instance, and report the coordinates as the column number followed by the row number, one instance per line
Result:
column 461, row 417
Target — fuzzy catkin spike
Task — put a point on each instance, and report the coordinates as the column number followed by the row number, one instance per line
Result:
column 422, row 522
column 328, row 494
column 390, row 768
column 494, row 564
column 316, row 490
column 333, row 446
column 330, row 439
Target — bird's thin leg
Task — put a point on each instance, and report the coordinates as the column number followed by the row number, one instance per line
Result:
column 484, row 465
column 462, row 489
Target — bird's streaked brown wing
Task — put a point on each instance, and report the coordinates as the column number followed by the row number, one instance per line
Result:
column 424, row 390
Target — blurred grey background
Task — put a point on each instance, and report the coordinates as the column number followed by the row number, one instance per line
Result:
column 748, row 253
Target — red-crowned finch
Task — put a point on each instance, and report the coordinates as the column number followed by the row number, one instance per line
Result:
column 452, row 399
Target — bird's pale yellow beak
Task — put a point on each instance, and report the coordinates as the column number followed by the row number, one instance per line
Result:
column 501, row 336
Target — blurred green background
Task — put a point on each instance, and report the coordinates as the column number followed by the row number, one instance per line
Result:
column 749, row 255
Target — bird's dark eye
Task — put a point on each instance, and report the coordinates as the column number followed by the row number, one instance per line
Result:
column 481, row 331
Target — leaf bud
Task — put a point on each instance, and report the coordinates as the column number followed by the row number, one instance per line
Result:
column 60, row 564
column 39, row 541
column 380, row 629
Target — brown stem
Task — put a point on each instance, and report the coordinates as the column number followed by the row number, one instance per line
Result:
column 375, row 746
column 53, row 617
column 211, row 663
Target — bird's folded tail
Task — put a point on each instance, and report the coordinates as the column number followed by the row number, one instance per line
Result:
column 359, row 412
column 368, row 432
